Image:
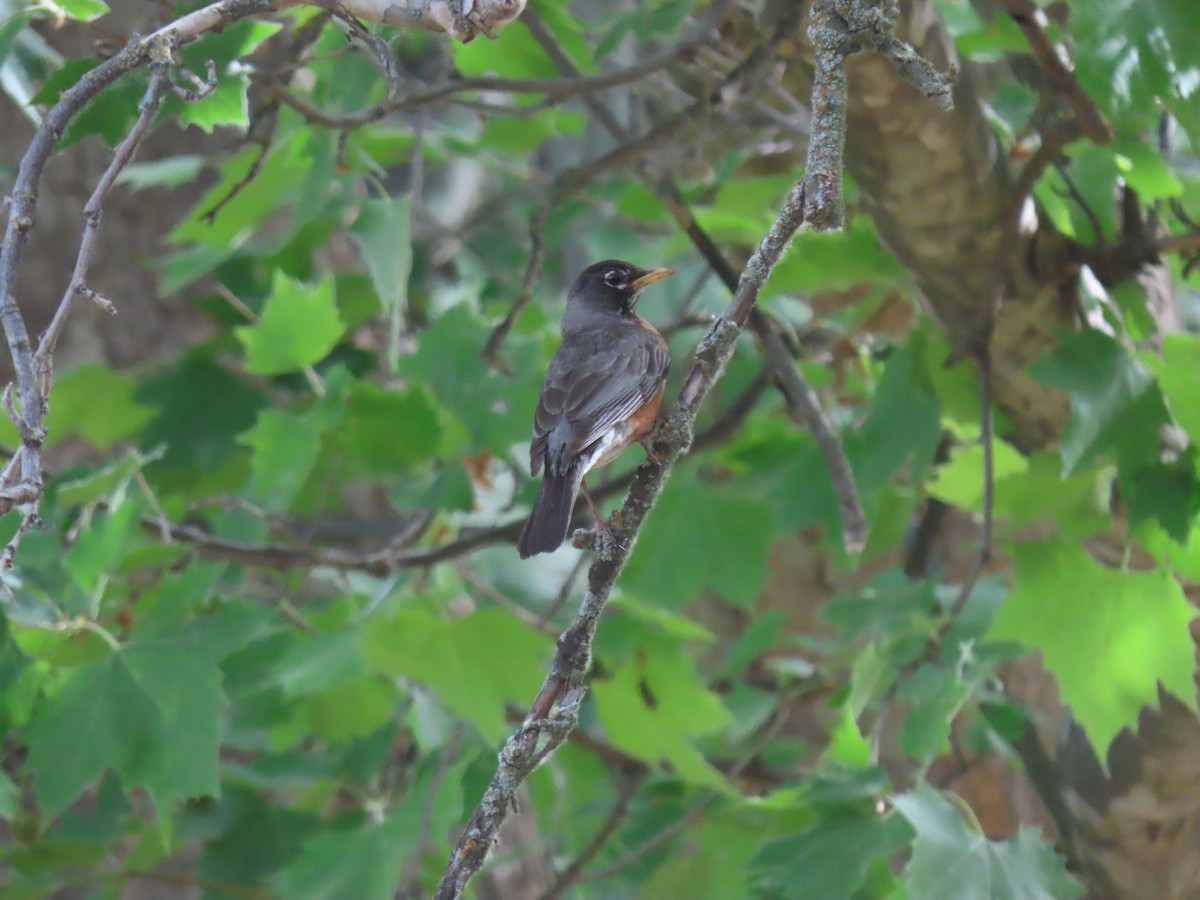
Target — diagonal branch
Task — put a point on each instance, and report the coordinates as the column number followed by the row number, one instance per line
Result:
column 1032, row 21
column 555, row 711
column 564, row 684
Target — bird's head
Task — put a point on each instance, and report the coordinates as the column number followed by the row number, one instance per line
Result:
column 612, row 286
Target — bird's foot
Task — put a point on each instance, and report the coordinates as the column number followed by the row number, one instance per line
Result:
column 601, row 539
column 647, row 442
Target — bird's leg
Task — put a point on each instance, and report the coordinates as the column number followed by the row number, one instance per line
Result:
column 601, row 525
column 647, row 442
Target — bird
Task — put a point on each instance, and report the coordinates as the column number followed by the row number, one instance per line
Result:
column 601, row 393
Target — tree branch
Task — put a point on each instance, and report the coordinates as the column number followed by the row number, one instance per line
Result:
column 1031, row 19
column 398, row 553
column 838, row 29
column 558, row 90
column 555, row 710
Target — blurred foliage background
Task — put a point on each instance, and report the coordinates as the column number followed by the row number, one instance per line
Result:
column 274, row 629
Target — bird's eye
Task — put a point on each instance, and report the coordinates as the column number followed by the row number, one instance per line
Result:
column 613, row 278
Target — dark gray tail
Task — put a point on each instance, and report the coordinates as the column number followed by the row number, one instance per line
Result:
column 551, row 514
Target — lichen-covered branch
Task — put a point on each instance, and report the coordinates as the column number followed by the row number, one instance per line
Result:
column 461, row 19
column 554, row 712
column 838, row 29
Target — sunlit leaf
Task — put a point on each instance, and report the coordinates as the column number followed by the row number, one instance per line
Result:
column 1109, row 636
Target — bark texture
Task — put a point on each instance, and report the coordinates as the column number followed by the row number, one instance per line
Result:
column 940, row 189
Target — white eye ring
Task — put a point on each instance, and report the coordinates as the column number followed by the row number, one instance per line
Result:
column 613, row 278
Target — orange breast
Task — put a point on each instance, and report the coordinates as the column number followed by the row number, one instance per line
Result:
column 643, row 418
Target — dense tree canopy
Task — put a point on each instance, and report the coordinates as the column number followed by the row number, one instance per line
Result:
column 902, row 608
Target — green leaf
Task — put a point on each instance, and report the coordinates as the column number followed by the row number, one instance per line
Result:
column 847, row 745
column 1168, row 492
column 951, row 861
column 320, row 871
column 1111, row 400
column 9, row 798
column 496, row 409
column 280, row 176
column 386, row 432
column 350, row 709
column 201, row 410
column 831, row 859
column 83, row 10
column 1146, row 172
column 934, row 694
column 172, row 171
column 652, row 706
column 253, row 839
column 100, row 482
column 521, row 135
column 98, row 403
column 102, row 546
column 517, row 56
column 318, row 662
column 150, row 710
column 827, row 260
column 298, row 327
column 382, row 232
column 476, row 664
column 692, row 521
column 1077, row 503
column 959, row 482
column 1108, row 636
column 227, row 104
column 1178, row 374
column 285, row 447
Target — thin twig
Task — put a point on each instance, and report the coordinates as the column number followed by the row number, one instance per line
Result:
column 804, row 408
column 615, row 817
column 1031, row 19
column 202, row 86
column 558, row 89
column 93, row 210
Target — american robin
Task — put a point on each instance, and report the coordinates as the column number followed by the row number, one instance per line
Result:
column 601, row 394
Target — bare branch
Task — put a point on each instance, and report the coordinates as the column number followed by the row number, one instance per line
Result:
column 557, row 703
column 805, row 409
column 1031, row 19
column 203, row 86
column 564, row 683
column 93, row 210
column 838, row 29
column 558, row 90
column 616, row 816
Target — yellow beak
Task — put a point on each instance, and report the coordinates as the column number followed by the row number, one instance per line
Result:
column 650, row 277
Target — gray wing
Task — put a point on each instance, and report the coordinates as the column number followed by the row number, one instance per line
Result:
column 607, row 378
